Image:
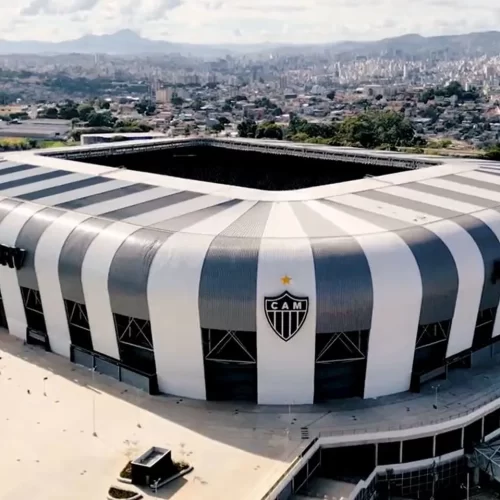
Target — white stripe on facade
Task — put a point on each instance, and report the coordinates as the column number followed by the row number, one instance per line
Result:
column 95, row 271
column 463, row 189
column 468, row 261
column 38, row 186
column 176, row 210
column 479, row 175
column 23, row 174
column 173, row 297
column 385, row 209
column 470, row 265
column 125, row 201
column 48, row 252
column 285, row 250
column 431, row 199
column 75, row 194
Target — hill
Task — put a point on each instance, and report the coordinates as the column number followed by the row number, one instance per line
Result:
column 127, row 42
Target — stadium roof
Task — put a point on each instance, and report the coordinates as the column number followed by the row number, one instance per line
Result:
column 444, row 189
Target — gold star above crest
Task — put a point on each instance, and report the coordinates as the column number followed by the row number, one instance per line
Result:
column 286, row 280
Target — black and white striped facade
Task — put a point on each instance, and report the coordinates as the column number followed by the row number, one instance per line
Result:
column 169, row 275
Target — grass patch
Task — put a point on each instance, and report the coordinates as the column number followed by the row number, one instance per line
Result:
column 180, row 466
column 119, row 493
column 126, row 473
column 51, row 144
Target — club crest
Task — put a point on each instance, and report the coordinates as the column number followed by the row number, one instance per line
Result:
column 286, row 314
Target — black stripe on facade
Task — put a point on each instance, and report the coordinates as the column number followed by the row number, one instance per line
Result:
column 54, row 174
column 16, row 168
column 149, row 206
column 344, row 307
column 228, row 283
column 63, row 188
column 103, row 197
column 28, row 239
column 482, row 235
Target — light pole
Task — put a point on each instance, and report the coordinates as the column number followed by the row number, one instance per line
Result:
column 436, row 388
column 288, row 429
column 466, row 487
column 138, row 403
column 94, row 433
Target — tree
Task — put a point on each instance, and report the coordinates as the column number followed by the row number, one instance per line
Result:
column 357, row 131
column 427, row 95
column 269, row 130
column 223, row 120
column 7, row 98
column 331, row 95
column 68, row 111
column 84, row 111
column 299, row 126
column 176, row 100
column 101, row 119
column 218, row 127
column 51, row 113
column 393, row 129
column 197, row 104
column 296, row 124
column 493, row 153
column 247, row 128
column 453, row 88
column 145, row 107
column 263, row 102
column 373, row 129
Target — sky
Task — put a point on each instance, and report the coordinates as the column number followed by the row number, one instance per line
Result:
column 245, row 21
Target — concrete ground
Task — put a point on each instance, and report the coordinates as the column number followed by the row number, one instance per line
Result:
column 237, row 450
column 49, row 452
column 326, row 489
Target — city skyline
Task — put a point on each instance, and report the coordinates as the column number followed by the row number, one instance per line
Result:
column 242, row 21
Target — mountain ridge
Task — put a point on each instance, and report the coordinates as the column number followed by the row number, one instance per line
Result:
column 128, row 42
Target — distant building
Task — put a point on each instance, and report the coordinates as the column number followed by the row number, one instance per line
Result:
column 164, row 96
column 36, row 129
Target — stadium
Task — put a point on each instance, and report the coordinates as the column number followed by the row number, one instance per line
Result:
column 244, row 270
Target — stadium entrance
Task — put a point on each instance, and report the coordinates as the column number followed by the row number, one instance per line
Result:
column 340, row 365
column 230, row 362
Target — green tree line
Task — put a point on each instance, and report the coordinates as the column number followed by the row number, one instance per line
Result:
column 97, row 116
column 370, row 129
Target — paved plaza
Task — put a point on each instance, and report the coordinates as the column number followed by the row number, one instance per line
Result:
column 49, row 452
column 237, row 450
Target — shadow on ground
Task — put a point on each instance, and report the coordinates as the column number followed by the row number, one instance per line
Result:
column 256, row 429
column 246, row 427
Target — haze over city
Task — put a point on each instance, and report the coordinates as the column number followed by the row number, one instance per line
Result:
column 244, row 21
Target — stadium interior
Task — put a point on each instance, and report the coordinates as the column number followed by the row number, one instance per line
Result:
column 240, row 167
